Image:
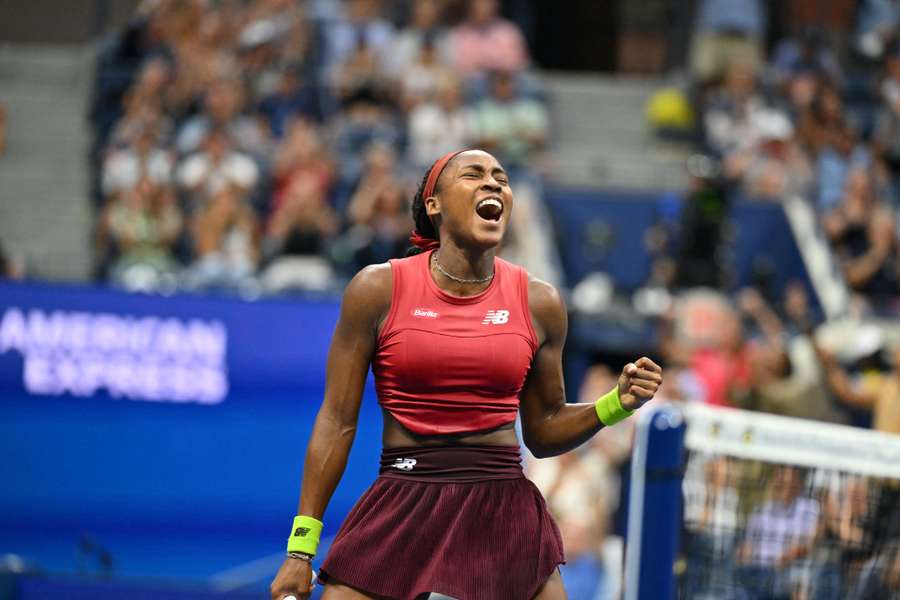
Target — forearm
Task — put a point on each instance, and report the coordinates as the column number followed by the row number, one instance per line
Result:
column 552, row 426
column 562, row 430
column 326, row 459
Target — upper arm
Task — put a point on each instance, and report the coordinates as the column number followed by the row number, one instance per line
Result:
column 544, row 390
column 365, row 304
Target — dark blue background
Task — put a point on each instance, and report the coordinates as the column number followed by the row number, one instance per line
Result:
column 604, row 231
column 175, row 490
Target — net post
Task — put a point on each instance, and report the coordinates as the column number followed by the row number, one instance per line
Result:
column 654, row 510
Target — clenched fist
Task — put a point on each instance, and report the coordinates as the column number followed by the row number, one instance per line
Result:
column 638, row 383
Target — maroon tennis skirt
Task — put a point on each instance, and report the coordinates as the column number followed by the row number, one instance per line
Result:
column 458, row 520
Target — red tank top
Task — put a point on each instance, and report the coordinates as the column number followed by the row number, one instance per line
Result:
column 448, row 364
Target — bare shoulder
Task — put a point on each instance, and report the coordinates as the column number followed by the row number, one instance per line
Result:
column 368, row 295
column 548, row 309
column 543, row 296
column 372, row 280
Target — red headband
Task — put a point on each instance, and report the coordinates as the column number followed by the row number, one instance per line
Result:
column 417, row 239
column 435, row 172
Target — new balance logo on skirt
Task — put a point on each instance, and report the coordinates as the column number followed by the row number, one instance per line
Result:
column 496, row 317
column 404, row 464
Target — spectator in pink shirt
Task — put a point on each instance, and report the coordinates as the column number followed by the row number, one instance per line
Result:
column 487, row 42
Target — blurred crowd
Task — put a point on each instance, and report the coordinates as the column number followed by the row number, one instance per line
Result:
column 807, row 116
column 271, row 145
column 815, row 114
column 754, row 530
column 812, row 116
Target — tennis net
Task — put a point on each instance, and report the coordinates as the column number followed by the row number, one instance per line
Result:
column 777, row 508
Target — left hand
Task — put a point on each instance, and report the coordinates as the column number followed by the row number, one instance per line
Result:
column 639, row 382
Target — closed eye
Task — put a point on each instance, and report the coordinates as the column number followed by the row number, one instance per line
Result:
column 477, row 172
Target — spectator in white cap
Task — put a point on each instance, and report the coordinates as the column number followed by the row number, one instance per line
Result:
column 774, row 166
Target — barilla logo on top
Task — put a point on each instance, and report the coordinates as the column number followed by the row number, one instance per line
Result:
column 496, row 317
column 424, row 312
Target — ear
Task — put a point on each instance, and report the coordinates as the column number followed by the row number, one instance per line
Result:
column 432, row 206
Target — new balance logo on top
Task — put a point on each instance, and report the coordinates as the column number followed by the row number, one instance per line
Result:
column 425, row 312
column 404, row 464
column 301, row 531
column 496, row 317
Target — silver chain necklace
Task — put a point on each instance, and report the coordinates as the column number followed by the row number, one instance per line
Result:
column 454, row 277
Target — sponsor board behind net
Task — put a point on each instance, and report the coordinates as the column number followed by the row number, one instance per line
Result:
column 160, row 359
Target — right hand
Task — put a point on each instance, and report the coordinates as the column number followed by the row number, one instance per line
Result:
column 294, row 577
column 638, row 383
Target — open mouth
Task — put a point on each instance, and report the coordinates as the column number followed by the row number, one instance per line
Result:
column 490, row 209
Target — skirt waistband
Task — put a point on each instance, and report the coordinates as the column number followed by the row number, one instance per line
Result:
column 462, row 463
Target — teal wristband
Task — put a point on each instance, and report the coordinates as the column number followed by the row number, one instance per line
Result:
column 609, row 408
column 305, row 535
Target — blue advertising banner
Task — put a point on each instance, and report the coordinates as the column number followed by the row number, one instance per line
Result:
column 164, row 432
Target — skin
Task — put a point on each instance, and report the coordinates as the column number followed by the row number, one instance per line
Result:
column 468, row 246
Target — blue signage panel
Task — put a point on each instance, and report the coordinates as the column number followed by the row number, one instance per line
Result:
column 605, row 231
column 168, row 432
column 654, row 510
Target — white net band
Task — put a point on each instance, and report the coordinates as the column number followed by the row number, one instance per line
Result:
column 775, row 439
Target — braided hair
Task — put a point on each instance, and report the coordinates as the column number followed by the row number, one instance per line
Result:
column 424, row 225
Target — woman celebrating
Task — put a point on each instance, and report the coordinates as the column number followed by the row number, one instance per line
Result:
column 459, row 341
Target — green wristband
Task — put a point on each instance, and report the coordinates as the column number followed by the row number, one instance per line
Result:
column 609, row 408
column 305, row 535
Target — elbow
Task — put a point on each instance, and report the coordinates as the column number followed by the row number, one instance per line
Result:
column 539, row 449
column 536, row 449
column 344, row 426
column 337, row 426
column 540, row 438
column 543, row 451
column 347, row 432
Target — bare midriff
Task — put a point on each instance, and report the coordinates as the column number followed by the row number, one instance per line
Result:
column 397, row 436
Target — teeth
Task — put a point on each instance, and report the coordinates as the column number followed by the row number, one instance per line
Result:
column 490, row 202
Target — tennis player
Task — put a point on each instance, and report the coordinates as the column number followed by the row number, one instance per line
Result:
column 459, row 342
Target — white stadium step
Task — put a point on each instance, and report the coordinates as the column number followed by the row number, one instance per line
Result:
column 45, row 216
column 600, row 138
